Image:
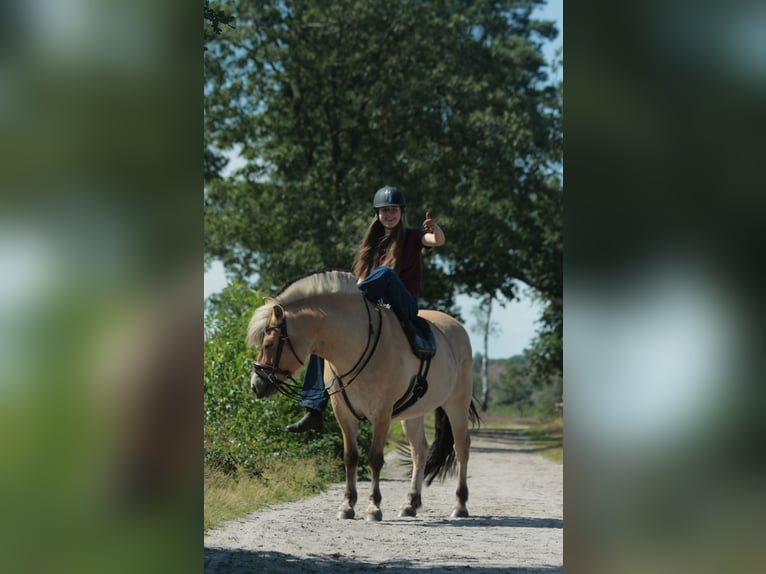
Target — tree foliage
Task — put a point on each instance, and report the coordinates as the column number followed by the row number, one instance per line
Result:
column 514, row 382
column 214, row 19
column 325, row 101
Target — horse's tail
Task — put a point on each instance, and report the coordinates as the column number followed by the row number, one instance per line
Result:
column 473, row 415
column 441, row 455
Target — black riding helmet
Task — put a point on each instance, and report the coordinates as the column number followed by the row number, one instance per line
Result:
column 388, row 195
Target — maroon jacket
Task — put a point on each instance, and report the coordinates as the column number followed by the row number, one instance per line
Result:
column 410, row 267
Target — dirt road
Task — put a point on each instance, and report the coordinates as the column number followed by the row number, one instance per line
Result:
column 515, row 526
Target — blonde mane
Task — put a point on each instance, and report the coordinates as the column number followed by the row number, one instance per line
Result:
column 323, row 282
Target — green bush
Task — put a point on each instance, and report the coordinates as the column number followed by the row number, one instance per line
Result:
column 243, row 433
column 524, row 389
column 516, row 388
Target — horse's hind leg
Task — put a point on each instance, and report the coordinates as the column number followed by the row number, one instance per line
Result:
column 415, row 433
column 379, row 435
column 459, row 422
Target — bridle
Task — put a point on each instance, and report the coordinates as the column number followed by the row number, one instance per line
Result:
column 268, row 372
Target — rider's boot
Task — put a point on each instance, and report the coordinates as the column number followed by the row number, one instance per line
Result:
column 312, row 420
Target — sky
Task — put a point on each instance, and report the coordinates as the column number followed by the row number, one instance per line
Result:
column 517, row 321
column 553, row 10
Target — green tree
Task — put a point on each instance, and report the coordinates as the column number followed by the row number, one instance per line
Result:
column 324, row 101
column 214, row 19
column 515, row 386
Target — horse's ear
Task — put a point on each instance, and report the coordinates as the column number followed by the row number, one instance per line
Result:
column 279, row 313
column 268, row 300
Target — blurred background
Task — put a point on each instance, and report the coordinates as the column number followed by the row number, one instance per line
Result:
column 100, row 281
column 663, row 321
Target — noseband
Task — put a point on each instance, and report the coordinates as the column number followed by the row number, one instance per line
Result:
column 268, row 372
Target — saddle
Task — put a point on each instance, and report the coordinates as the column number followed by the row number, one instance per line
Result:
column 420, row 337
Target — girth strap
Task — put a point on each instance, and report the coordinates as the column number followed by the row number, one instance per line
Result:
column 416, row 390
column 418, row 384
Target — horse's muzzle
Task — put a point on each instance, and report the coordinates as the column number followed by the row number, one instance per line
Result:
column 264, row 383
column 262, row 388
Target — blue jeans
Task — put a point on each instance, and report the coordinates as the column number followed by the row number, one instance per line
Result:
column 313, row 395
column 382, row 284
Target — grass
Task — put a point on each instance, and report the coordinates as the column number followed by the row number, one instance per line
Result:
column 546, row 435
column 548, row 438
column 231, row 496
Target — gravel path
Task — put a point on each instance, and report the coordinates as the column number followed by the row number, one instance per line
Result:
column 515, row 526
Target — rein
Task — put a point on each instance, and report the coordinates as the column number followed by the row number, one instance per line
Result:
column 363, row 360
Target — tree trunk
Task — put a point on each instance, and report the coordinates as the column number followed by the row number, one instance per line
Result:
column 485, row 360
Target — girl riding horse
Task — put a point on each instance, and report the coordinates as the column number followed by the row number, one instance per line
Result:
column 388, row 268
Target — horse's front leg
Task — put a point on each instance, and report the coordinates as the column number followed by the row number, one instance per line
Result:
column 415, row 433
column 379, row 435
column 351, row 460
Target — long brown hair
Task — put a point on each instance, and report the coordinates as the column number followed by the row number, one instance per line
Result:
column 374, row 241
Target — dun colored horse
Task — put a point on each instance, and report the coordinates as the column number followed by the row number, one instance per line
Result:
column 369, row 366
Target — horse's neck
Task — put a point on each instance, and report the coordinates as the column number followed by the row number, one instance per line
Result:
column 339, row 325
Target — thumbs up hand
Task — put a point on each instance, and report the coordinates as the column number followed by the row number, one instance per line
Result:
column 428, row 224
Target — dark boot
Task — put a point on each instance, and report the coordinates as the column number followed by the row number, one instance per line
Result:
column 312, row 420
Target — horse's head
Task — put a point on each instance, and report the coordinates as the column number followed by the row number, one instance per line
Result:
column 277, row 356
column 277, row 359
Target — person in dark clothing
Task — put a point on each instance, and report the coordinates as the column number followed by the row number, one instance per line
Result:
column 388, row 267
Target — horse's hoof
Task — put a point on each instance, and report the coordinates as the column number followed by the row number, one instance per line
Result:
column 375, row 516
column 459, row 513
column 346, row 514
column 407, row 511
